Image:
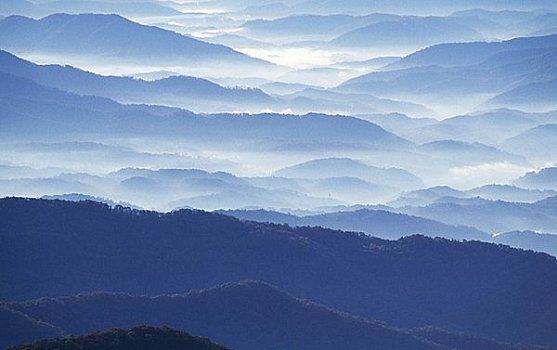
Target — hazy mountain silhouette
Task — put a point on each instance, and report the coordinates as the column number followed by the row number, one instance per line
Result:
column 79, row 197
column 540, row 242
column 377, row 223
column 510, row 193
column 328, row 101
column 532, row 96
column 468, row 153
column 506, row 23
column 464, row 54
column 305, row 25
column 537, row 216
column 479, row 70
column 335, row 167
column 423, row 197
column 536, row 143
column 37, row 187
column 373, row 29
column 127, row 8
column 424, row 7
column 398, row 123
column 469, row 286
column 543, row 179
column 483, row 127
column 409, row 31
column 172, row 91
column 14, row 171
column 194, row 188
column 112, row 37
column 24, row 100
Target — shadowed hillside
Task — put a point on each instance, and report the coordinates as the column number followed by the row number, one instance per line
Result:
column 469, row 286
column 141, row 337
column 248, row 315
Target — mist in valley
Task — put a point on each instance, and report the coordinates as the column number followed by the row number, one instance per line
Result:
column 390, row 119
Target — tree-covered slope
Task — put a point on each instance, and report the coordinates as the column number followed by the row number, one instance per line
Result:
column 52, row 248
column 249, row 315
column 141, row 337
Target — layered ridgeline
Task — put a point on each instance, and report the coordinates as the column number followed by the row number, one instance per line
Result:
column 141, row 337
column 52, row 248
column 478, row 73
column 545, row 178
column 108, row 35
column 424, row 7
column 381, row 30
column 245, row 316
column 379, row 223
column 193, row 93
column 538, row 216
column 31, row 108
column 387, row 223
column 181, row 91
column 133, row 8
column 116, row 40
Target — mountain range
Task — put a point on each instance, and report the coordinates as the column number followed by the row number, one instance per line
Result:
column 125, row 8
column 278, row 174
column 245, row 315
column 24, row 100
column 477, row 71
column 469, row 286
column 112, row 38
column 379, row 223
column 477, row 212
column 180, row 91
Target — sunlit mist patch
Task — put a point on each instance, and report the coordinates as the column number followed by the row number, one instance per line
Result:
column 296, row 57
column 475, row 175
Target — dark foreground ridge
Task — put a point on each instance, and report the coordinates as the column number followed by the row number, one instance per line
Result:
column 141, row 337
column 53, row 248
column 249, row 315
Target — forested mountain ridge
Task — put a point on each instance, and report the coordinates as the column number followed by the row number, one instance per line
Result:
column 141, row 337
column 278, row 175
column 470, row 286
column 247, row 315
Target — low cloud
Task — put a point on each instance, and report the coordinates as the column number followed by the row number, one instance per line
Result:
column 487, row 173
